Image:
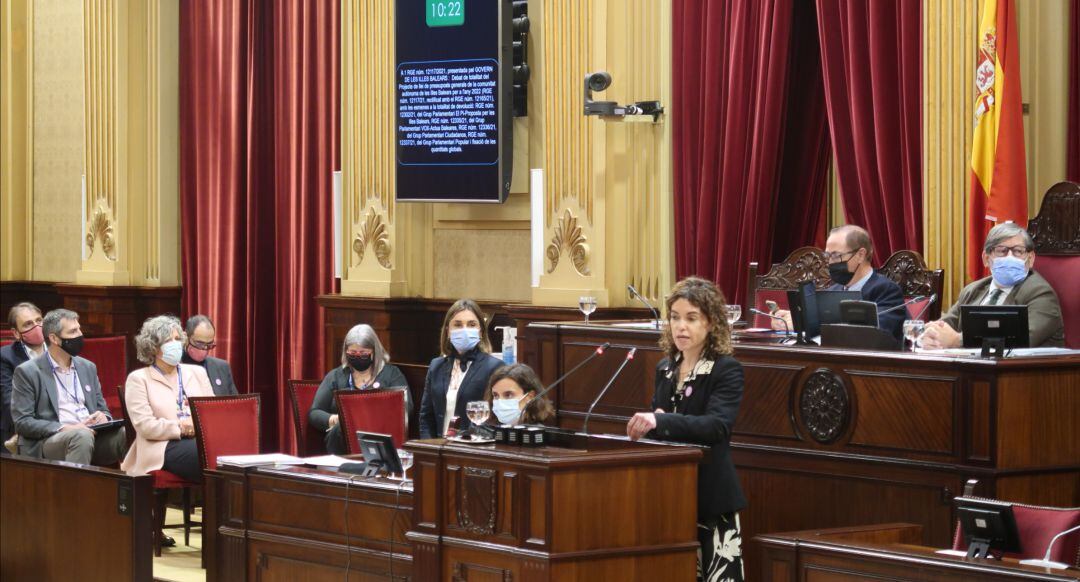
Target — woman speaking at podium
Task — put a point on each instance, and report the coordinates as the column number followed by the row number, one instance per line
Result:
column 698, row 389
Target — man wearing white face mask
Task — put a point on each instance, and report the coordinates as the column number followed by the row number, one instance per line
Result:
column 1010, row 254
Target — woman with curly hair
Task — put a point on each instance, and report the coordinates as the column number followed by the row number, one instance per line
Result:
column 699, row 386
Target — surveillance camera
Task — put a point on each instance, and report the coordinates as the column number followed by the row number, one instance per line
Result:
column 598, row 81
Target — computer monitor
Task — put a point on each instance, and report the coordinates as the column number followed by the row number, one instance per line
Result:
column 995, row 328
column 379, row 453
column 987, row 526
column 804, row 312
column 828, row 303
column 859, row 312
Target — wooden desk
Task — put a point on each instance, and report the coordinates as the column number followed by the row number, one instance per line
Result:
column 62, row 521
column 581, row 509
column 829, row 438
column 883, row 552
column 291, row 523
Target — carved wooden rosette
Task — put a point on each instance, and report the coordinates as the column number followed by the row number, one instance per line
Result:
column 373, row 232
column 801, row 265
column 568, row 239
column 908, row 270
column 824, row 406
column 100, row 228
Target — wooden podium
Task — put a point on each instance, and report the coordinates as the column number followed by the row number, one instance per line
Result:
column 581, row 508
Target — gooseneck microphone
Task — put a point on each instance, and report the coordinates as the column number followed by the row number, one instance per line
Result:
column 629, row 356
column 599, row 351
column 914, row 299
column 787, row 330
column 655, row 314
column 1046, row 562
column 933, row 298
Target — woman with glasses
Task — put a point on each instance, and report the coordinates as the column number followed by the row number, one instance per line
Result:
column 1009, row 253
column 460, row 375
column 365, row 365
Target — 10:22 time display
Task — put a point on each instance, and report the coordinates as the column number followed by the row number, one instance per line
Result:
column 445, row 13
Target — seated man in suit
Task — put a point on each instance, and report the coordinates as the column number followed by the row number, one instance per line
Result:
column 56, row 400
column 848, row 250
column 1009, row 252
column 200, row 340
column 25, row 320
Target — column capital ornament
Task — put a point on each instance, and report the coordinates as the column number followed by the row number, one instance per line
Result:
column 373, row 232
column 101, row 228
column 569, row 239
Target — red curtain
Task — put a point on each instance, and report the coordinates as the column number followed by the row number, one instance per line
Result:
column 1072, row 173
column 259, row 127
column 872, row 61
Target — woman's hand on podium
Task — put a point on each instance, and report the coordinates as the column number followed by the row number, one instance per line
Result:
column 641, row 423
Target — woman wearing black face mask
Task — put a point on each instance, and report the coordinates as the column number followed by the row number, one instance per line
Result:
column 364, row 366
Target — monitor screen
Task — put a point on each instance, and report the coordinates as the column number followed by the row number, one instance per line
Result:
column 804, row 310
column 378, row 449
column 1007, row 323
column 454, row 103
column 987, row 526
column 828, row 303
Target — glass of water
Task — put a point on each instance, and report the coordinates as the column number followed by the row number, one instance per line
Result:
column 478, row 411
column 587, row 305
column 913, row 330
column 406, row 463
column 734, row 312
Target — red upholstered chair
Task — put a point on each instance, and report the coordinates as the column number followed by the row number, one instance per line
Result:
column 225, row 425
column 163, row 482
column 109, row 354
column 1056, row 230
column 801, row 265
column 908, row 270
column 381, row 411
column 302, row 393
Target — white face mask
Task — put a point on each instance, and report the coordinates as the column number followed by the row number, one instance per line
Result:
column 507, row 410
column 171, row 352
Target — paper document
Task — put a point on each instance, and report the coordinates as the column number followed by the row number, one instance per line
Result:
column 327, row 461
column 253, row 460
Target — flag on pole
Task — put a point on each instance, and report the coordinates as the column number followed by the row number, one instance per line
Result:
column 998, row 172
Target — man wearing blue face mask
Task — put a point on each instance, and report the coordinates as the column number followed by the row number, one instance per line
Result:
column 461, row 374
column 1009, row 252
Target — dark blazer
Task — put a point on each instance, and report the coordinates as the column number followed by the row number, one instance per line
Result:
column 35, row 401
column 705, row 417
column 325, row 405
column 886, row 293
column 1045, row 323
column 11, row 356
column 220, row 374
column 433, row 404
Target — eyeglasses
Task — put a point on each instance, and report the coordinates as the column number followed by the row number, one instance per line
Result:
column 837, row 257
column 358, row 353
column 202, row 345
column 1002, row 250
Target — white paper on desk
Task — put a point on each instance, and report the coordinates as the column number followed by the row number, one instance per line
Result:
column 253, row 460
column 327, row 461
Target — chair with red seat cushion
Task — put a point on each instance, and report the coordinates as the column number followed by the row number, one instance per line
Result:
column 109, row 354
column 163, row 482
column 908, row 270
column 379, row 411
column 801, row 265
column 1056, row 232
column 225, row 425
column 302, row 394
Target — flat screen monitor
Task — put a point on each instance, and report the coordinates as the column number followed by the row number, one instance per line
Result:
column 1004, row 325
column 804, row 311
column 859, row 312
column 988, row 527
column 828, row 303
column 379, row 452
column 454, row 100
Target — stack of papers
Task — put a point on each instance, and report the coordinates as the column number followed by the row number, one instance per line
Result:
column 254, row 460
column 327, row 461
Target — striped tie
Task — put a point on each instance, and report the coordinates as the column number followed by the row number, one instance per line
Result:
column 995, row 296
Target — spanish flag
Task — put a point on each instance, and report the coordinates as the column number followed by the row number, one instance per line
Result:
column 998, row 173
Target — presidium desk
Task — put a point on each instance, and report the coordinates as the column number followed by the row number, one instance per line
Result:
column 831, row 438
column 581, row 508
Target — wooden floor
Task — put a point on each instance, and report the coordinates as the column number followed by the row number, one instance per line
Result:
column 181, row 563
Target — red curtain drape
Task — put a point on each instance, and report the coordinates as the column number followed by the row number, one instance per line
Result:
column 259, row 127
column 871, row 56
column 1072, row 172
column 734, row 90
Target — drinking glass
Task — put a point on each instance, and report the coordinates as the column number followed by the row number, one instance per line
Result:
column 406, row 463
column 913, row 330
column 734, row 312
column 587, row 305
column 478, row 411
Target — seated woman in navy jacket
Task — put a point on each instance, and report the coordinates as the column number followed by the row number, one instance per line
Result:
column 699, row 386
column 461, row 374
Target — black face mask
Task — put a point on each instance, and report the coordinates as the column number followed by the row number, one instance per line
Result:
column 359, row 363
column 72, row 345
column 840, row 274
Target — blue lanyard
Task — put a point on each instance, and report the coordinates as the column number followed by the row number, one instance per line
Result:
column 180, row 385
column 74, row 385
column 352, row 385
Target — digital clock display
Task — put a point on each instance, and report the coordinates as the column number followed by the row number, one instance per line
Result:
column 445, row 13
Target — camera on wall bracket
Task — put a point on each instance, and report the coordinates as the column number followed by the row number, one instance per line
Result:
column 611, row 110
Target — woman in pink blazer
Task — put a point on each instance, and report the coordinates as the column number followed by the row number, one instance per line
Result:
column 156, row 398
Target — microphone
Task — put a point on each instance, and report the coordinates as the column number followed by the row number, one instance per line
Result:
column 769, row 315
column 914, row 299
column 598, row 352
column 656, row 316
column 629, row 356
column 933, row 298
column 1046, row 562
